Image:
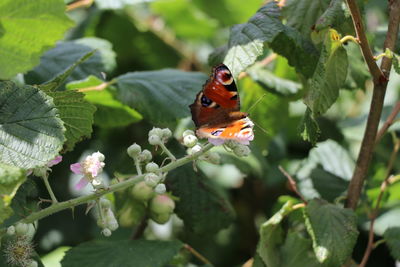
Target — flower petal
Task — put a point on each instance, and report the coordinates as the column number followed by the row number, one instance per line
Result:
column 76, row 168
column 216, row 141
column 55, row 161
column 82, row 183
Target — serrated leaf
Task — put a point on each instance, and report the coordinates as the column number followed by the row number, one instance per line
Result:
column 309, row 129
column 31, row 132
column 160, row 96
column 57, row 81
column 392, row 238
column 199, row 201
column 127, row 253
column 292, row 45
column 332, row 14
column 27, row 30
column 333, row 230
column 272, row 237
column 77, row 115
column 110, row 112
column 329, row 76
column 246, row 40
column 10, row 180
column 272, row 83
column 328, row 185
column 61, row 59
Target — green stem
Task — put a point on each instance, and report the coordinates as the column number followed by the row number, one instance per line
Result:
column 349, row 38
column 166, row 150
column 113, row 188
column 137, row 164
column 47, row 184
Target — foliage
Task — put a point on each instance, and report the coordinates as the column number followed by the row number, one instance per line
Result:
column 78, row 77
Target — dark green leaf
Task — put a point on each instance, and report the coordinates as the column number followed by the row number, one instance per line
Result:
column 334, row 13
column 392, row 237
column 272, row 83
column 64, row 57
column 309, row 129
column 296, row 252
column 10, row 179
column 333, row 230
column 328, row 185
column 110, row 112
column 23, row 37
column 77, row 115
column 329, row 76
column 127, row 253
column 199, row 200
column 160, row 96
column 31, row 132
column 246, row 40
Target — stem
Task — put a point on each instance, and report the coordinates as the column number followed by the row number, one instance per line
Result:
column 292, row 184
column 137, row 164
column 166, row 150
column 380, row 83
column 197, row 254
column 389, row 121
column 113, row 188
column 78, row 4
column 99, row 87
column 48, row 187
column 384, row 184
column 349, row 38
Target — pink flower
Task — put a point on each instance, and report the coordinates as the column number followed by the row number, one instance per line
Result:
column 90, row 167
column 55, row 161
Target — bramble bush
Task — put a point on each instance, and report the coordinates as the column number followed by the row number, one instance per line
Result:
column 100, row 164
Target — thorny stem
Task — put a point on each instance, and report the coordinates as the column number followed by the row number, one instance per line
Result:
column 113, row 188
column 48, row 187
column 197, row 254
column 380, row 78
column 374, row 214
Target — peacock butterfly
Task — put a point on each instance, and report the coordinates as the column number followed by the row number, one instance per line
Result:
column 216, row 110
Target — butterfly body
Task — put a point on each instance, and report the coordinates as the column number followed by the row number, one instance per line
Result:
column 216, row 110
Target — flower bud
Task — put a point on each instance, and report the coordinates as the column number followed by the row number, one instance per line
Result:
column 166, row 133
column 190, row 140
column 160, row 189
column 154, row 140
column 105, row 203
column 152, row 179
column 162, row 204
column 187, row 132
column 11, row 230
column 145, row 156
column 33, row 263
column 152, row 167
column 134, row 150
column 155, row 131
column 160, row 218
column 194, row 150
column 101, row 223
column 106, row 232
column 141, row 191
column 31, row 231
column 241, row 150
column 113, row 225
column 21, row 228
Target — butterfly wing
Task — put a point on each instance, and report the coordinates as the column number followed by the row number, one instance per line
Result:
column 218, row 100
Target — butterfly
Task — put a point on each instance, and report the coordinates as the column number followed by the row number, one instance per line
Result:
column 216, row 110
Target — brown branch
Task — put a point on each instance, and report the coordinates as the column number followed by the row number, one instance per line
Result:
column 374, row 214
column 380, row 83
column 388, row 122
column 197, row 254
column 292, row 183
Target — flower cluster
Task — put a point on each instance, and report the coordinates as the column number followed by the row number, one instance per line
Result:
column 105, row 217
column 90, row 168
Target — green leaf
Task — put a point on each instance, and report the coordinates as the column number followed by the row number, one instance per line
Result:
column 309, row 129
column 27, row 29
column 31, row 132
column 199, row 200
column 127, row 253
column 271, row 236
column 160, row 96
column 298, row 50
column 246, row 40
column 77, row 115
column 110, row 112
column 67, row 60
column 172, row 11
column 57, row 81
column 272, row 83
column 333, row 230
column 10, row 179
column 334, row 13
column 329, row 76
column 328, row 185
column 296, row 252
column 392, row 238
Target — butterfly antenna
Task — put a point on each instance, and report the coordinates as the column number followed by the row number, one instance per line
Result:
column 262, row 129
column 255, row 104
